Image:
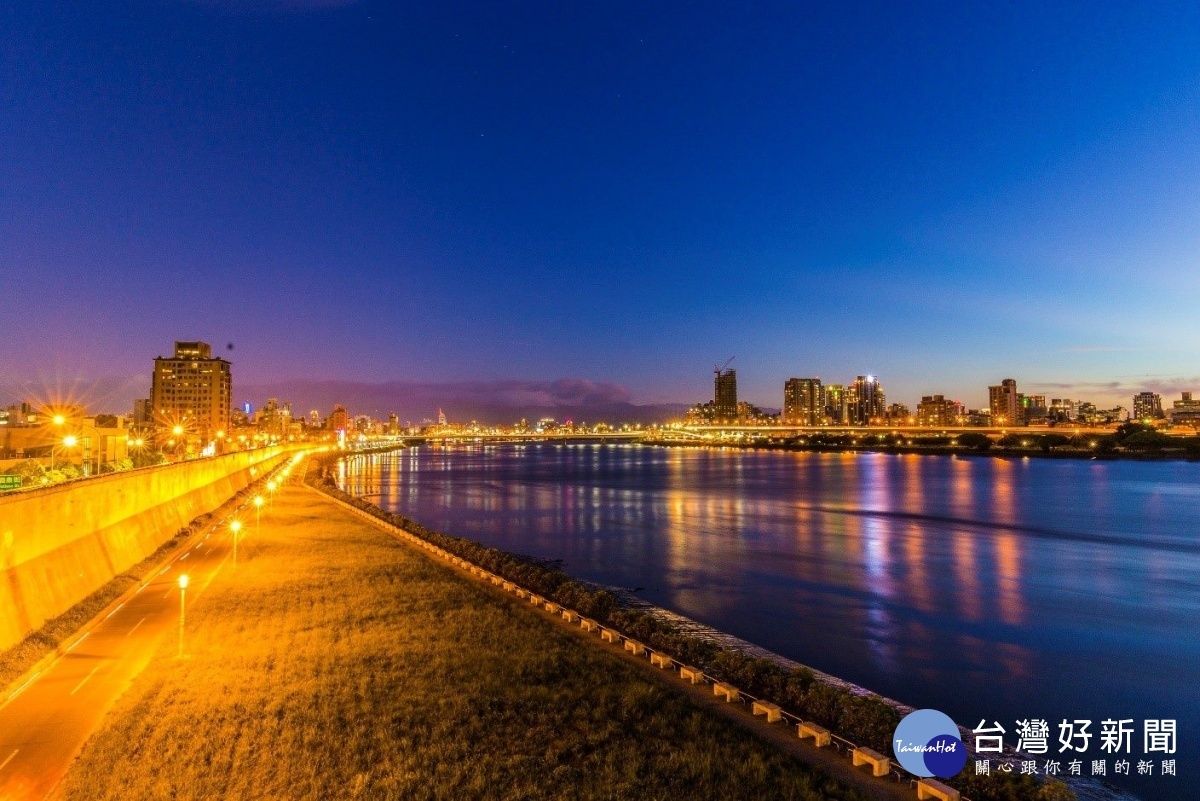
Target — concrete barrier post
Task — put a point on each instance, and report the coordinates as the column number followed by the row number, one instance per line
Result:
column 772, row 711
column 879, row 764
column 728, row 691
column 932, row 788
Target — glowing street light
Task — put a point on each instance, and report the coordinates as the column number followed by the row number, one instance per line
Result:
column 235, row 527
column 69, row 441
column 183, row 582
column 258, row 502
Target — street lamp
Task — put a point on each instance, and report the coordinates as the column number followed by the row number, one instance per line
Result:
column 258, row 502
column 183, row 582
column 69, row 441
column 235, row 527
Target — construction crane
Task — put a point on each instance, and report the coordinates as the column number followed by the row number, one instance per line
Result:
column 721, row 369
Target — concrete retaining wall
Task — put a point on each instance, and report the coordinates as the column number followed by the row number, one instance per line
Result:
column 60, row 544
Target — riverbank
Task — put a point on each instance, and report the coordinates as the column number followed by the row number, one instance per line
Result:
column 338, row 662
column 861, row 719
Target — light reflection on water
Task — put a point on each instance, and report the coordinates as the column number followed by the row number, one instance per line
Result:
column 988, row 588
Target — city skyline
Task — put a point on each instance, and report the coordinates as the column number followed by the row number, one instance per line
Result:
column 500, row 196
column 581, row 399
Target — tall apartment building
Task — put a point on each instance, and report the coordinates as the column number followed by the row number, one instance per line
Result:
column 1147, row 406
column 339, row 419
column 1034, row 409
column 1005, row 403
column 193, row 390
column 1186, row 410
column 836, row 411
column 1063, row 410
column 725, row 402
column 866, row 402
column 803, row 402
column 936, row 411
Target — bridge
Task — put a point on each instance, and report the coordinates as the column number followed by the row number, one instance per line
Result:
column 528, row 436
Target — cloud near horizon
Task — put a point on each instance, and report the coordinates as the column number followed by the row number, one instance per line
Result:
column 487, row 401
column 1169, row 387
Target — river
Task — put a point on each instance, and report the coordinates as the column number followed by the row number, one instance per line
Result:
column 992, row 589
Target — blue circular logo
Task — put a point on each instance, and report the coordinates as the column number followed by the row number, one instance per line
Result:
column 927, row 744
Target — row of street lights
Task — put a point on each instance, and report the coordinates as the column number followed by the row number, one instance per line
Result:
column 235, row 527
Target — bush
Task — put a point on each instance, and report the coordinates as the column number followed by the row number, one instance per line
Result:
column 1148, row 441
column 975, row 441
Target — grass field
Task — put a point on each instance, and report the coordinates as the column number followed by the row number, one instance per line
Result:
column 338, row 663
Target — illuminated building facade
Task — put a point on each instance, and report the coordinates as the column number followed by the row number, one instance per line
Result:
column 866, row 402
column 937, row 411
column 191, row 390
column 725, row 400
column 1147, row 406
column 1005, row 404
column 803, row 402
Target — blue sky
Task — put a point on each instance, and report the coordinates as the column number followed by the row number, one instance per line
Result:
column 941, row 195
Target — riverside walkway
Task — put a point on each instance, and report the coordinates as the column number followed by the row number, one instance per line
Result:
column 337, row 661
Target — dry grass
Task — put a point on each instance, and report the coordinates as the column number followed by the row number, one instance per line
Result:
column 341, row 664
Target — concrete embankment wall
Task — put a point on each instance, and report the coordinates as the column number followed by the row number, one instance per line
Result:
column 60, row 544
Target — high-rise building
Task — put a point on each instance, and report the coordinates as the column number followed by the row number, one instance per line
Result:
column 866, row 402
column 725, row 401
column 339, row 419
column 1005, row 404
column 936, row 411
column 191, row 391
column 803, row 402
column 1186, row 411
column 1147, row 406
column 143, row 413
column 1033, row 407
column 1063, row 410
column 835, row 404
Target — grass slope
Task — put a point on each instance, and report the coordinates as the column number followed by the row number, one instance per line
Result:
column 338, row 663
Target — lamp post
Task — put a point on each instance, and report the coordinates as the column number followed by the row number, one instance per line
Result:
column 258, row 502
column 235, row 527
column 183, row 582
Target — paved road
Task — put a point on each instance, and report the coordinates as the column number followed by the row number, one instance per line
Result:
column 45, row 725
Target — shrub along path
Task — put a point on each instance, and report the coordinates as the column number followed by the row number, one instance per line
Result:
column 337, row 662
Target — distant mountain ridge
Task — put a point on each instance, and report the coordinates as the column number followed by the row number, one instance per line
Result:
column 490, row 402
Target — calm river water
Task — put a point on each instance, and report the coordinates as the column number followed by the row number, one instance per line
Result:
column 991, row 589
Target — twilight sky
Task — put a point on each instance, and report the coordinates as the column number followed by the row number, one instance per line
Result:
column 620, row 193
